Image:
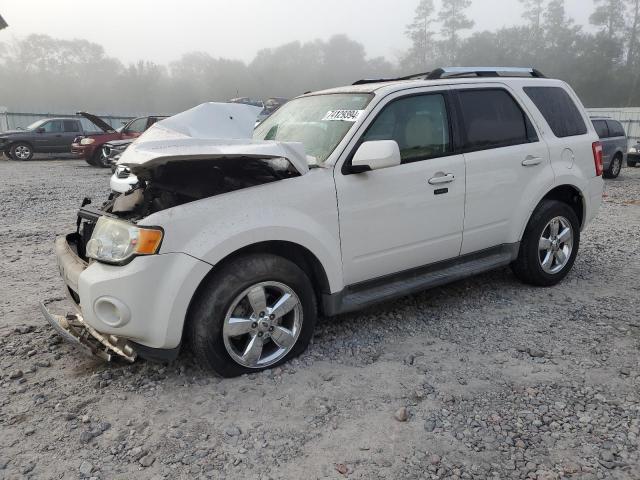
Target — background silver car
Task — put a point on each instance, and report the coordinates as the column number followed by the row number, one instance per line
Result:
column 614, row 144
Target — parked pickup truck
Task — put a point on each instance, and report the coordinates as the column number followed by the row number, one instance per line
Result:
column 89, row 147
column 50, row 135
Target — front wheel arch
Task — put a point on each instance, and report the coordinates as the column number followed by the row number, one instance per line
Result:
column 301, row 256
column 20, row 142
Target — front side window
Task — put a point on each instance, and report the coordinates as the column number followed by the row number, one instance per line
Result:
column 419, row 124
column 558, row 109
column 601, row 128
column 493, row 119
column 319, row 122
column 139, row 125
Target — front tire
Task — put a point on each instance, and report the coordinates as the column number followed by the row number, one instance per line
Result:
column 549, row 245
column 256, row 312
column 21, row 151
column 614, row 167
column 94, row 160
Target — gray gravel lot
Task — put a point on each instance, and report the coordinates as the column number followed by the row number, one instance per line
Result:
column 485, row 378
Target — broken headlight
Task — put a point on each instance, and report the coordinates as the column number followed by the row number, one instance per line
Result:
column 117, row 242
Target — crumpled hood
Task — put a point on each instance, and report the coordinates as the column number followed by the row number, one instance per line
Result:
column 208, row 131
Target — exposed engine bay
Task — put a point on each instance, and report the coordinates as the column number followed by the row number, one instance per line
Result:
column 177, row 183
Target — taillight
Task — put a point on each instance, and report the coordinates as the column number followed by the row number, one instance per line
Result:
column 597, row 158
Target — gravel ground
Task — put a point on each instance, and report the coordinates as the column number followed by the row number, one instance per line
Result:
column 485, row 378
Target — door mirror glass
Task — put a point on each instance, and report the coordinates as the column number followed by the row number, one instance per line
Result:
column 376, row 155
column 40, row 130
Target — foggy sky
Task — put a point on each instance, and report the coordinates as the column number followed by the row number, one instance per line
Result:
column 161, row 30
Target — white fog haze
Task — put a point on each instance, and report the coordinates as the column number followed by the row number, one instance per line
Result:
column 151, row 57
column 161, row 31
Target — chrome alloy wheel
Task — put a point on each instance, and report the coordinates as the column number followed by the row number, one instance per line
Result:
column 262, row 325
column 556, row 245
column 22, row 152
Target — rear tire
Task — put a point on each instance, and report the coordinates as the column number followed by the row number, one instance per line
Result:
column 631, row 163
column 21, row 151
column 614, row 167
column 224, row 323
column 547, row 256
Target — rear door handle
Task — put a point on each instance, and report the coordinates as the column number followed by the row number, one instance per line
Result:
column 442, row 179
column 531, row 161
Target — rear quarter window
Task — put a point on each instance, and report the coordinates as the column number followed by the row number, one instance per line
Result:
column 558, row 109
column 615, row 129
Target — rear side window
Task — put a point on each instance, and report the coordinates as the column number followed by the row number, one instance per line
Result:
column 559, row 110
column 601, row 128
column 71, row 126
column 615, row 129
column 493, row 119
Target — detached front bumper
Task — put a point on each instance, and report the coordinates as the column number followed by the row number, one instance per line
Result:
column 72, row 328
column 128, row 310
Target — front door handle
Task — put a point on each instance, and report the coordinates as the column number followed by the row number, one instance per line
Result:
column 531, row 161
column 442, row 178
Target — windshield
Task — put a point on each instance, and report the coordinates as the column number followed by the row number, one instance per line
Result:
column 319, row 122
column 35, row 125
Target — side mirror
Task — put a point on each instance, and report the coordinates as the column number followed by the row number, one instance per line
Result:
column 40, row 130
column 376, row 155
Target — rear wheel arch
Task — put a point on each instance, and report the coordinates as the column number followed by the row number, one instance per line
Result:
column 569, row 194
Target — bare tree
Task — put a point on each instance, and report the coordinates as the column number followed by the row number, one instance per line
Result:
column 633, row 32
column 454, row 20
column 609, row 16
column 534, row 10
column 422, row 36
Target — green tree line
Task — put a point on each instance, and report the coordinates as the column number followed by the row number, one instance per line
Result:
column 602, row 63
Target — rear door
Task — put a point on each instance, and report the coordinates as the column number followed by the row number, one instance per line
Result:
column 507, row 164
column 72, row 129
column 618, row 137
column 399, row 218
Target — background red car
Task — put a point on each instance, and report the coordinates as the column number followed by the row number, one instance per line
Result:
column 89, row 147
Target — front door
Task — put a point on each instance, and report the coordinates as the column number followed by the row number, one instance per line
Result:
column 399, row 218
column 49, row 137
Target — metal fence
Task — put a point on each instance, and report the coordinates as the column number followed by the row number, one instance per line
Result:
column 629, row 117
column 16, row 120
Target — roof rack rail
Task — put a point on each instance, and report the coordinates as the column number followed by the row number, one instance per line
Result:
column 457, row 72
column 448, row 72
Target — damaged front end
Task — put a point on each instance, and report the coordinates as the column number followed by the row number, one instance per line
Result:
column 201, row 153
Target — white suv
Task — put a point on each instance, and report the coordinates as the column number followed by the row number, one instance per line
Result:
column 233, row 240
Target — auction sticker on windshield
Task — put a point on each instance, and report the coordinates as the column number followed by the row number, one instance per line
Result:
column 343, row 115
